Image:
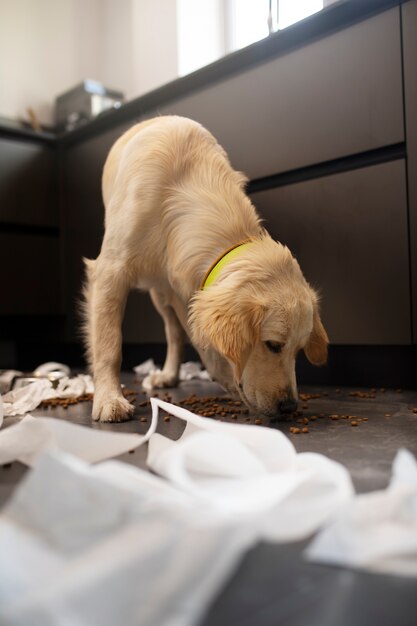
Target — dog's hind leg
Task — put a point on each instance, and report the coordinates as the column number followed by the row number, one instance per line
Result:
column 175, row 336
column 106, row 294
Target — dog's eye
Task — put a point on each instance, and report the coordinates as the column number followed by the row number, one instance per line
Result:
column 274, row 346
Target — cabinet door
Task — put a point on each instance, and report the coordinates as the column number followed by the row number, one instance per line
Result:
column 334, row 97
column 349, row 234
column 28, row 184
column 409, row 23
column 29, row 274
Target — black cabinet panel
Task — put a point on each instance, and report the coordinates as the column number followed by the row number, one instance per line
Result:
column 28, row 184
column 349, row 234
column 29, row 274
column 338, row 96
column 409, row 23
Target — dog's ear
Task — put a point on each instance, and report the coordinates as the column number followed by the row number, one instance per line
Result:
column 227, row 324
column 316, row 346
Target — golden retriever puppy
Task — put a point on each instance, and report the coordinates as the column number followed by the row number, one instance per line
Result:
column 174, row 208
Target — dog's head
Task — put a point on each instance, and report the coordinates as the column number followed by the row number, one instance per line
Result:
column 257, row 316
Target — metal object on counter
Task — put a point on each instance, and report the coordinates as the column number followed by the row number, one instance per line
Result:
column 14, row 379
column 83, row 103
column 26, row 379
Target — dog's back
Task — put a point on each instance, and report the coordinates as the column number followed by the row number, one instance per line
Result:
column 170, row 195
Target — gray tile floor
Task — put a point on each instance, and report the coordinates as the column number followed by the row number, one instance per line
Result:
column 273, row 584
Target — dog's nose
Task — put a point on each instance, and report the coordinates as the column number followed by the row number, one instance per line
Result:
column 288, row 405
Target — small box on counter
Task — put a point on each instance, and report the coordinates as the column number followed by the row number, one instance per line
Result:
column 83, row 103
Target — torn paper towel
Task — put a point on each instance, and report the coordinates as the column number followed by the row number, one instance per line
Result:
column 51, row 367
column 253, row 471
column 165, row 547
column 25, row 399
column 26, row 440
column 109, row 545
column 234, row 469
column 376, row 531
column 188, row 371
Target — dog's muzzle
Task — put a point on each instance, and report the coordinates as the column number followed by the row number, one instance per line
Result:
column 287, row 405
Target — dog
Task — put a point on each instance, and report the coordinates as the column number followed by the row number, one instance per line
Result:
column 179, row 224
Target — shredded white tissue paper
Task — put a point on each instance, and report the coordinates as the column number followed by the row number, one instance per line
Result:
column 109, row 545
column 253, row 471
column 113, row 544
column 145, row 368
column 25, row 399
column 164, row 547
column 377, row 531
column 52, row 366
column 26, row 440
column 188, row 371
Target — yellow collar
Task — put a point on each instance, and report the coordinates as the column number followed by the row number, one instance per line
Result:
column 215, row 269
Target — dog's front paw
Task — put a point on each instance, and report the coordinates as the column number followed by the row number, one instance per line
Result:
column 116, row 409
column 158, row 379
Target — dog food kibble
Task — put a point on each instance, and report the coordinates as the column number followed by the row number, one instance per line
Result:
column 310, row 396
column 223, row 408
column 363, row 394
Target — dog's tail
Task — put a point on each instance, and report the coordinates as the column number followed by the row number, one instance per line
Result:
column 85, row 311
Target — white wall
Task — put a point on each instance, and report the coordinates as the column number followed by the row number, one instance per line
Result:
column 48, row 46
column 201, row 36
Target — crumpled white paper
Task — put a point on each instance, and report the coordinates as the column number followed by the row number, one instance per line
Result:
column 113, row 544
column 188, row 371
column 253, row 471
column 237, row 470
column 26, row 440
column 130, row 548
column 108, row 545
column 376, row 531
column 52, row 366
column 25, row 399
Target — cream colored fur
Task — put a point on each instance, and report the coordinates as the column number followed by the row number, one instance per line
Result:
column 173, row 206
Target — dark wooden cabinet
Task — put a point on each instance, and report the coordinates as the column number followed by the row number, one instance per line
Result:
column 30, row 254
column 349, row 233
column 29, row 274
column 28, row 183
column 409, row 30
column 337, row 96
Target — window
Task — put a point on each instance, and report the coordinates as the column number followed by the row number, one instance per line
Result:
column 209, row 29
